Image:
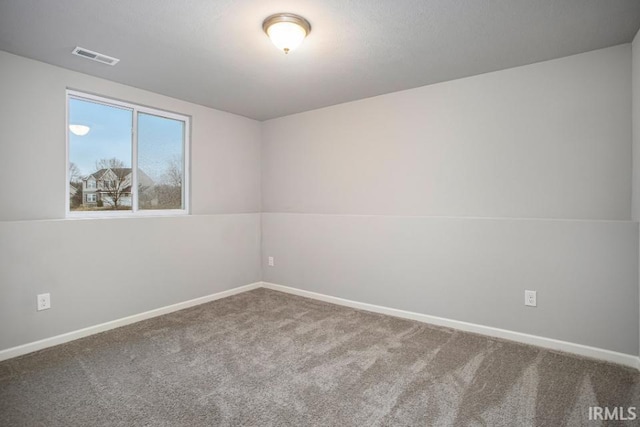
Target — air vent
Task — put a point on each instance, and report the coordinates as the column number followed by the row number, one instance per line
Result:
column 94, row 56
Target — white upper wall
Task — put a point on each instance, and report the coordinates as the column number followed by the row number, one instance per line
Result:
column 548, row 140
column 225, row 148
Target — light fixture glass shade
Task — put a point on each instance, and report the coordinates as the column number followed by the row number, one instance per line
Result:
column 286, row 36
column 80, row 130
column 286, row 31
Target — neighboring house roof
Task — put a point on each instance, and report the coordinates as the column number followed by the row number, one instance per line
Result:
column 117, row 171
column 143, row 178
column 72, row 189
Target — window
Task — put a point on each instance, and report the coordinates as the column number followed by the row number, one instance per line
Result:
column 127, row 159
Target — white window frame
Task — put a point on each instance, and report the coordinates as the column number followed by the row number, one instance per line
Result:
column 95, row 199
column 135, row 109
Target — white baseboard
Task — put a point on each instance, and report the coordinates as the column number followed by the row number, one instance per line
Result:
column 549, row 343
column 91, row 330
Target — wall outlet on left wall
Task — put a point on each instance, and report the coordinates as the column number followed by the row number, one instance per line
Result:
column 44, row 301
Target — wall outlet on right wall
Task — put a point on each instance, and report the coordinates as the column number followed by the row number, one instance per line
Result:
column 530, row 298
column 270, row 261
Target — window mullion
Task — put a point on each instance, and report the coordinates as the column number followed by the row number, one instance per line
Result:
column 134, row 162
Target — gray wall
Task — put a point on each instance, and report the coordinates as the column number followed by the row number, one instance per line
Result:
column 473, row 270
column 549, row 140
column 225, row 147
column 635, row 82
column 105, row 269
column 452, row 199
column 102, row 270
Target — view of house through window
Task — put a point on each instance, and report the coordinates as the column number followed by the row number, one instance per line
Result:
column 124, row 157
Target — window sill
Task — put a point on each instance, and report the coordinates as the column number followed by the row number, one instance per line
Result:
column 126, row 214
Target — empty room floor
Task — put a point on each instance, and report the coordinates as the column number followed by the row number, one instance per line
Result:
column 272, row 359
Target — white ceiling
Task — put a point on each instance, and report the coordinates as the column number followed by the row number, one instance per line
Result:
column 214, row 53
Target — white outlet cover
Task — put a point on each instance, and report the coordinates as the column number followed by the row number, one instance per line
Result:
column 44, row 301
column 530, row 298
column 271, row 262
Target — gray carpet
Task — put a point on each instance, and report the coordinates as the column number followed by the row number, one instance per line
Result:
column 264, row 358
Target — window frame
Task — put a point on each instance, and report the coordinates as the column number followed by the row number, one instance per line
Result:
column 135, row 109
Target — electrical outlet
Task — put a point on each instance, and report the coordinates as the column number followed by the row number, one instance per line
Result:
column 530, row 298
column 271, row 262
column 44, row 302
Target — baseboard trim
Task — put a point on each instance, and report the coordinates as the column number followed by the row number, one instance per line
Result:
column 102, row 327
column 548, row 343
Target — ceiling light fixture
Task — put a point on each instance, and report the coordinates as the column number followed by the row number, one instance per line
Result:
column 286, row 30
column 80, row 130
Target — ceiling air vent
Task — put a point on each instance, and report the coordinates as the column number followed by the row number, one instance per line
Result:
column 94, row 56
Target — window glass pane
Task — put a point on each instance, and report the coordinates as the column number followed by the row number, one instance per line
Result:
column 99, row 152
column 160, row 162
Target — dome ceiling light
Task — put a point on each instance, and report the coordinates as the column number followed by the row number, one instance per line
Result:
column 286, row 30
column 80, row 130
